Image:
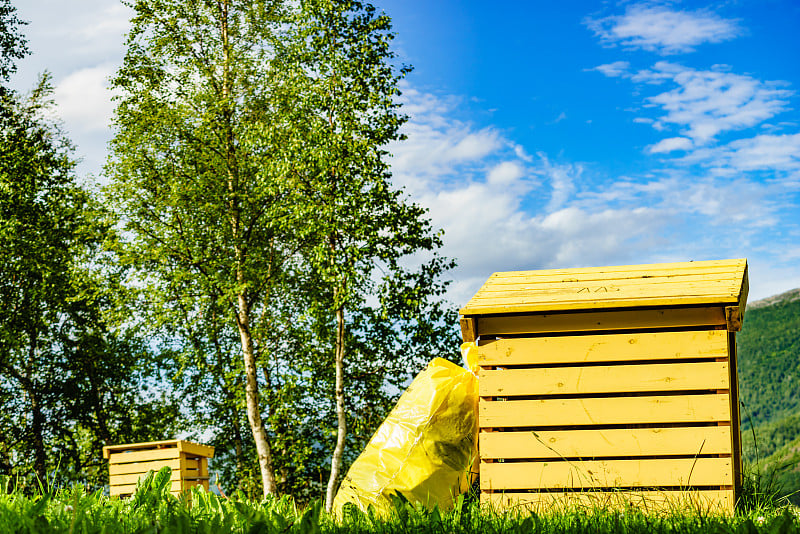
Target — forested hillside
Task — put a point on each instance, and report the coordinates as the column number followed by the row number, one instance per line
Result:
column 769, row 362
column 769, row 385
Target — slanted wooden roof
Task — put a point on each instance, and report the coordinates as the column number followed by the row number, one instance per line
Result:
column 722, row 282
column 179, row 444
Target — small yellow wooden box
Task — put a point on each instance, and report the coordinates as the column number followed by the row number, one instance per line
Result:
column 127, row 463
column 610, row 385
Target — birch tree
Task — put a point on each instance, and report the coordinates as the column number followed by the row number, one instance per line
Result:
column 347, row 112
column 198, row 172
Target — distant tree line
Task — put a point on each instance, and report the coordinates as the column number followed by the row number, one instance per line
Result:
column 250, row 274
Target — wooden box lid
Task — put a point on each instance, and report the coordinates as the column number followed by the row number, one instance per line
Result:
column 721, row 282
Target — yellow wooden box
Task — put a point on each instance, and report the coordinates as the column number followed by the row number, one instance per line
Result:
column 610, row 385
column 127, row 463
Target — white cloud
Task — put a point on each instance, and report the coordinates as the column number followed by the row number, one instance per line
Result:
column 776, row 153
column 661, row 29
column 562, row 180
column 107, row 23
column 79, row 43
column 708, row 102
column 84, row 101
column 505, row 173
column 703, row 103
column 503, row 210
column 561, row 116
column 670, row 144
column 616, row 69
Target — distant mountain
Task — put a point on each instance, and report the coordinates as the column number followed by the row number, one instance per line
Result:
column 769, row 387
column 789, row 296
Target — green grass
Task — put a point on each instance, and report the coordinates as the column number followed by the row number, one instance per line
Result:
column 152, row 510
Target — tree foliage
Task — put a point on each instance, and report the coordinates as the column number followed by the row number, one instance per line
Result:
column 249, row 167
column 344, row 110
column 69, row 377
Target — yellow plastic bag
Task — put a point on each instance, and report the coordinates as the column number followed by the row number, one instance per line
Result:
column 426, row 447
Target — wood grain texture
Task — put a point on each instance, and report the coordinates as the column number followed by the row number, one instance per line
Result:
column 659, row 501
column 178, row 444
column 704, row 317
column 710, row 344
column 132, row 478
column 605, row 411
column 603, row 379
column 144, row 456
column 468, row 330
column 142, row 467
column 556, row 444
column 682, row 472
column 657, row 285
column 176, row 487
column 645, row 269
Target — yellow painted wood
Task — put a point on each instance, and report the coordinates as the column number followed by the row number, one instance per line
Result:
column 195, row 449
column 603, row 379
column 650, row 501
column 180, row 445
column 121, row 490
column 176, row 487
column 643, row 288
column 608, row 442
column 710, row 344
column 143, row 467
column 650, row 269
column 611, row 287
column 604, row 411
column 144, row 456
column 649, row 473
column 708, row 317
column 133, row 477
column 536, row 279
column 591, row 302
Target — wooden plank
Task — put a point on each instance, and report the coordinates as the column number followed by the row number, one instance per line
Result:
column 706, row 500
column 132, row 478
column 692, row 285
column 143, row 467
column 637, row 275
column 468, row 329
column 652, row 269
column 650, row 473
column 595, row 303
column 175, row 488
column 605, row 411
column 603, row 379
column 609, row 287
column 736, row 435
column 628, row 288
column 707, row 317
column 745, row 292
column 110, row 449
column 712, row 344
column 734, row 318
column 190, row 449
column 121, row 490
column 144, row 456
column 554, row 444
column 178, row 444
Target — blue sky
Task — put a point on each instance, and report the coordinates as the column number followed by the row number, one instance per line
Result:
column 546, row 135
